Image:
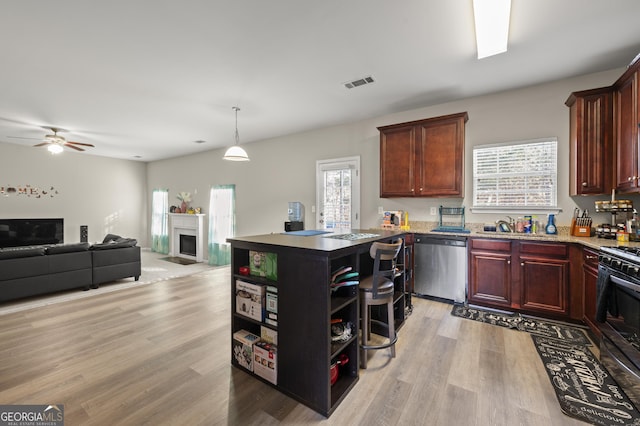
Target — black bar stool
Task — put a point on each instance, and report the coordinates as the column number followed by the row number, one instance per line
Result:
column 377, row 289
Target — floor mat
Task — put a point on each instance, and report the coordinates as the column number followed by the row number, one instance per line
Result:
column 518, row 322
column 179, row 260
column 583, row 386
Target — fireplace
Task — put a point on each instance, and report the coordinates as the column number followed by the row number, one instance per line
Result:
column 186, row 236
column 188, row 245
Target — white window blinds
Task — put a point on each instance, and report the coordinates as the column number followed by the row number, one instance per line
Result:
column 520, row 174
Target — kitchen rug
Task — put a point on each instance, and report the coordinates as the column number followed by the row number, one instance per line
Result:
column 583, row 386
column 516, row 321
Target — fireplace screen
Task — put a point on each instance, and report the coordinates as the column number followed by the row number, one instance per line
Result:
column 188, row 245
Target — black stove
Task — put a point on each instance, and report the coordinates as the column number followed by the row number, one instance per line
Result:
column 623, row 261
column 618, row 316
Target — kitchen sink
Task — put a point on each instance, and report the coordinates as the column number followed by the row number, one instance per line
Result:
column 517, row 234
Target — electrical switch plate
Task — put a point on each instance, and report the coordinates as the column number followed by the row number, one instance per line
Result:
column 433, row 211
column 313, row 209
column 380, row 210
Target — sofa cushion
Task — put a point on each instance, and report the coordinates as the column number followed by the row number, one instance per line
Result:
column 67, row 248
column 18, row 252
column 22, row 267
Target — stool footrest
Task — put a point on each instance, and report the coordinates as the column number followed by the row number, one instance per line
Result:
column 383, row 346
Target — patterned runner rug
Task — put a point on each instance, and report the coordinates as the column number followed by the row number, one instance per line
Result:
column 516, row 321
column 583, row 386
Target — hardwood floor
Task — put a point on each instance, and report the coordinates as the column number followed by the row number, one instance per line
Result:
column 160, row 354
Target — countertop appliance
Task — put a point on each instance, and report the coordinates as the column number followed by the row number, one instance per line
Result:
column 440, row 266
column 618, row 316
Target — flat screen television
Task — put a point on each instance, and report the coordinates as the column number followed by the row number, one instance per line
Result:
column 31, row 232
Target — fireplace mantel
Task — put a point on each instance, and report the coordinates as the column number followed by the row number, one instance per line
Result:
column 186, row 224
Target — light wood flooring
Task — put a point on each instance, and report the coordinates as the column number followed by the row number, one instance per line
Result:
column 159, row 354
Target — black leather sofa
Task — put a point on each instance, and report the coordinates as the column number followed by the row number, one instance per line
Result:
column 115, row 258
column 35, row 270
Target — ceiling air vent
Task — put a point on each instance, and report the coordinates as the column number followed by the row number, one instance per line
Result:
column 359, row 82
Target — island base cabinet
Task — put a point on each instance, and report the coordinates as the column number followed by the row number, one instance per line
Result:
column 309, row 342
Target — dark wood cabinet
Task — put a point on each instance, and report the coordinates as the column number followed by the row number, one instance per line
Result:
column 544, row 277
column 490, row 272
column 423, row 158
column 520, row 275
column 589, row 279
column 626, row 131
column 591, row 139
column 600, row 115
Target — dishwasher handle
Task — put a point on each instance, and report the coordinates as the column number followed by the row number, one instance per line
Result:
column 453, row 241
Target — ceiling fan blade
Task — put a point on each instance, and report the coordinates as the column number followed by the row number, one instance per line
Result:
column 74, row 147
column 80, row 143
column 43, row 144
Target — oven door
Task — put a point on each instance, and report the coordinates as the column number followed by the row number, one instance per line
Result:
column 622, row 361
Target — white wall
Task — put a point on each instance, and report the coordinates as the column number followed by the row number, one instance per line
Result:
column 107, row 195
column 112, row 195
column 283, row 169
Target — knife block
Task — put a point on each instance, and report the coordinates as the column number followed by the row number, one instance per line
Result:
column 581, row 231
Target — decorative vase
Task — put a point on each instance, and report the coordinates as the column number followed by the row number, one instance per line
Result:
column 183, row 207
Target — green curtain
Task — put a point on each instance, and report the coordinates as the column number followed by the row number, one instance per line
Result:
column 160, row 221
column 222, row 223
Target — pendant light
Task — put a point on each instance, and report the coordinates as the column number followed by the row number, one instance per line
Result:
column 235, row 152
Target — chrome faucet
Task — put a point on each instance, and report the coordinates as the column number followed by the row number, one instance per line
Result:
column 504, row 226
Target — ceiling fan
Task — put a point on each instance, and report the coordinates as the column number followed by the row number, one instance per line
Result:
column 56, row 143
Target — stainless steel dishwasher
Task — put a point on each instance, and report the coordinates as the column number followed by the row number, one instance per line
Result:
column 440, row 266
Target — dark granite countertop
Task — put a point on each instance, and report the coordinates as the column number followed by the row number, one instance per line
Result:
column 325, row 242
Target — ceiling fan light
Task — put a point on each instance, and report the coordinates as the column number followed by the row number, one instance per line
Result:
column 54, row 148
column 235, row 153
column 492, row 26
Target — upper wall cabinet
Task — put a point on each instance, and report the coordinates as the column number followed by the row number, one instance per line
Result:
column 626, row 131
column 604, row 137
column 423, row 158
column 591, row 141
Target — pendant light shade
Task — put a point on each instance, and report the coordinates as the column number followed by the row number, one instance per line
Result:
column 235, row 152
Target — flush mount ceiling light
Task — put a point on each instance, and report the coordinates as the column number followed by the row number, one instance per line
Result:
column 235, row 152
column 492, row 26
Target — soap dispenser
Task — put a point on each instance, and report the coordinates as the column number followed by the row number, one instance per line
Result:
column 551, row 225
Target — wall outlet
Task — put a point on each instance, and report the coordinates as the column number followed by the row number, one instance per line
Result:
column 380, row 210
column 434, row 211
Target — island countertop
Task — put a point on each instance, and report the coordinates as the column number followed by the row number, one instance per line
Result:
column 320, row 241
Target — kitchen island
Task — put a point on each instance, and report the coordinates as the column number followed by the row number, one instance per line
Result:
column 299, row 282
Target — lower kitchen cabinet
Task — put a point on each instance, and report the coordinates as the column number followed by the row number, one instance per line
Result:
column 490, row 272
column 544, row 277
column 525, row 276
column 589, row 279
